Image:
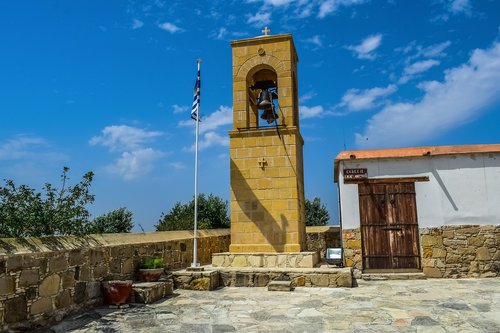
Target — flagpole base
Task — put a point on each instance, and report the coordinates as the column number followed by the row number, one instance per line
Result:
column 195, row 268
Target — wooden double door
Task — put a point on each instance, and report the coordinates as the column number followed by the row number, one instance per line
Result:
column 389, row 226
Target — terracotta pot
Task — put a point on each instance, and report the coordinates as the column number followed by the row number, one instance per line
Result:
column 116, row 292
column 150, row 274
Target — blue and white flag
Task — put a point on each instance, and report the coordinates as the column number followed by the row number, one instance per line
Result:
column 196, row 100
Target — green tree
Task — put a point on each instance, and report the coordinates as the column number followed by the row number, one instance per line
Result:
column 316, row 212
column 212, row 213
column 60, row 211
column 116, row 221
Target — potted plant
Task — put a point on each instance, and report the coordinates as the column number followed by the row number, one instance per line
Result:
column 151, row 269
column 116, row 292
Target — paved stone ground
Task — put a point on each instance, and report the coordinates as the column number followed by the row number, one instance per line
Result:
column 436, row 305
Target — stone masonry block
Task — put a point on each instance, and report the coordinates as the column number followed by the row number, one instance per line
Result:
column 58, row 263
column 93, row 290
column 483, row 254
column 14, row 263
column 438, row 253
column 344, row 280
column 319, row 280
column 68, row 279
column 76, row 257
column 280, row 286
column 255, row 260
column 7, row 285
column 15, row 309
column 218, row 261
column 28, row 277
column 42, row 305
column 63, row 300
column 149, row 292
column 427, row 252
column 50, row 285
column 239, row 261
column 427, row 240
column 432, row 272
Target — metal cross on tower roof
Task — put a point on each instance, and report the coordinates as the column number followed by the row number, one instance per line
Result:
column 266, row 31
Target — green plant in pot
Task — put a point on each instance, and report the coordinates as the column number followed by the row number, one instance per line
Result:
column 151, row 269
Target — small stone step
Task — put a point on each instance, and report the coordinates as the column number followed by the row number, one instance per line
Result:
column 149, row 292
column 393, row 276
column 280, row 286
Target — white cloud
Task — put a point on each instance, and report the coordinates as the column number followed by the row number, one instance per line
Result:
column 123, row 137
column 179, row 108
column 20, row 147
column 454, row 7
column 304, row 12
column 210, row 139
column 418, row 51
column 170, row 27
column 436, row 50
column 311, row 112
column 177, row 165
column 137, row 24
column 358, row 100
column 259, row 19
column 460, row 6
column 421, row 66
column 29, row 149
column 135, row 163
column 278, row 3
column 221, row 117
column 315, row 40
column 330, row 6
column 307, row 96
column 326, row 8
column 417, row 68
column 466, row 92
column 365, row 50
column 221, row 33
column 136, row 159
column 213, row 139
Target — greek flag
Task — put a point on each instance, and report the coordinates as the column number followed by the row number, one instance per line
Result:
column 196, row 99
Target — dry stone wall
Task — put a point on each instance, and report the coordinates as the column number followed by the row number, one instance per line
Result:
column 320, row 238
column 448, row 251
column 44, row 279
column 461, row 251
column 351, row 241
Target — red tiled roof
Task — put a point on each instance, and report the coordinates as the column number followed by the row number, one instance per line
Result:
column 412, row 152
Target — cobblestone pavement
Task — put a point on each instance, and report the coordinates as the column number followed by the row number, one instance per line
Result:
column 435, row 305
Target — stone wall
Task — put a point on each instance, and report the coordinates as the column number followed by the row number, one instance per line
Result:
column 461, row 251
column 44, row 279
column 320, row 238
column 449, row 251
column 351, row 241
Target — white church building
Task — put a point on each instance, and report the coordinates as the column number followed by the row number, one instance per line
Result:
column 431, row 209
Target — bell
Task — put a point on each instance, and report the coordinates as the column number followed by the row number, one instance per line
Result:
column 269, row 115
column 264, row 100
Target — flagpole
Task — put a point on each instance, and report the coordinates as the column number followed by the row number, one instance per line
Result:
column 195, row 237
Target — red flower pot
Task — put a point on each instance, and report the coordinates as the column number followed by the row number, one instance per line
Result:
column 116, row 292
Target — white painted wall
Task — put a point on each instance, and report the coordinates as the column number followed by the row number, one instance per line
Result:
column 462, row 189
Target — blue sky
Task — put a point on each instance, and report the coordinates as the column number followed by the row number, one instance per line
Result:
column 107, row 86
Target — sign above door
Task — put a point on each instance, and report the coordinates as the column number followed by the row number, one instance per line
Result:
column 355, row 174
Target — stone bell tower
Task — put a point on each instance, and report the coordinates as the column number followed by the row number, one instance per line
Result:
column 267, row 177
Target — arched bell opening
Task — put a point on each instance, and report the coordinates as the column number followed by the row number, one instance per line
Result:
column 262, row 90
